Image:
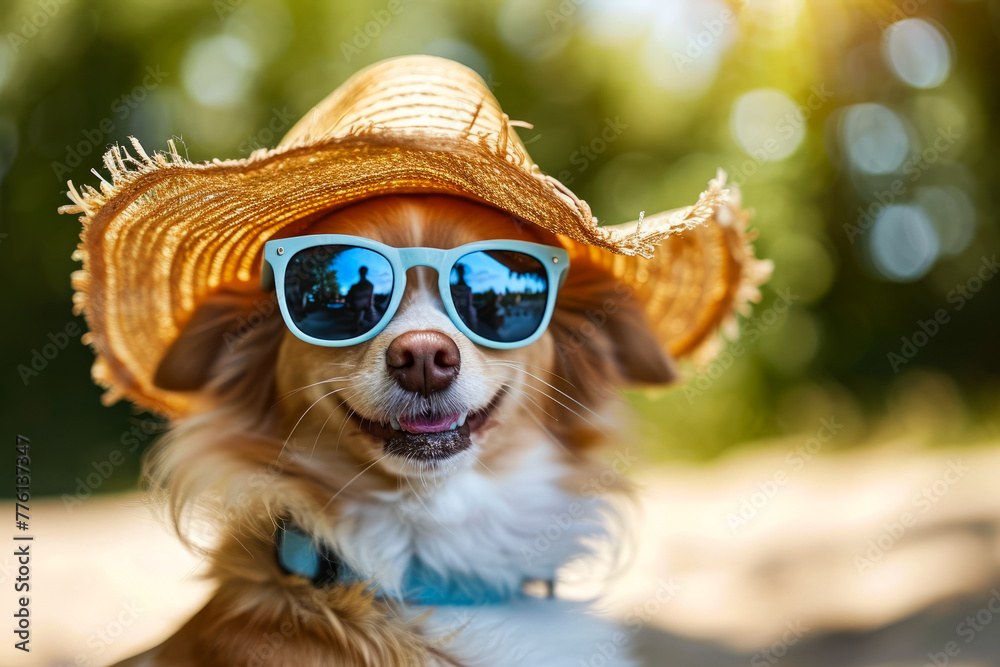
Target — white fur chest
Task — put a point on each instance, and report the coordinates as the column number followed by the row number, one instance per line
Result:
column 500, row 529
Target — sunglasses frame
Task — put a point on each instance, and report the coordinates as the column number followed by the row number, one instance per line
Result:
column 279, row 252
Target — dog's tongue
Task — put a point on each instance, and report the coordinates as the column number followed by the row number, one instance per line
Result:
column 427, row 423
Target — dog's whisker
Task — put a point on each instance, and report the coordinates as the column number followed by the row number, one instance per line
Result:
column 350, row 411
column 552, row 436
column 352, row 480
column 301, row 417
column 327, row 421
column 194, row 568
column 426, row 509
column 554, row 399
column 289, row 394
column 564, row 394
column 503, row 362
column 515, row 393
column 525, row 396
column 298, row 389
column 232, row 535
column 420, row 475
column 558, row 402
column 485, row 466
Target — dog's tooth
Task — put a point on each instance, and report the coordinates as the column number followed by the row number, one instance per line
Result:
column 461, row 420
column 394, row 423
column 453, row 426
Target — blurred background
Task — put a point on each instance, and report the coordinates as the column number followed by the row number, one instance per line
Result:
column 858, row 131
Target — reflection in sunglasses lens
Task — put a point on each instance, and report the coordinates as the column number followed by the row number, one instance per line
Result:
column 337, row 292
column 500, row 294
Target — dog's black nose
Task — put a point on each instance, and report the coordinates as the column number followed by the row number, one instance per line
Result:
column 423, row 361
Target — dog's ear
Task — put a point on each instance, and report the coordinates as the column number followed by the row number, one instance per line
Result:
column 218, row 328
column 638, row 353
column 603, row 339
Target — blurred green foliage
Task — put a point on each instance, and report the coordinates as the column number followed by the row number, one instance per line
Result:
column 232, row 75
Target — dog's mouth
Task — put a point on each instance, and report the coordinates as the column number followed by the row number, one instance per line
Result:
column 430, row 436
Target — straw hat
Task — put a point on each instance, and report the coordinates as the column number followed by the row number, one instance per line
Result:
column 164, row 233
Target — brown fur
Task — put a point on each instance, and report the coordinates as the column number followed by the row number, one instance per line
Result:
column 267, row 440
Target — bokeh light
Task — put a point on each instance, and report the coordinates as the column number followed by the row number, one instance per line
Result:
column 218, row 71
column 762, row 123
column 904, row 244
column 684, row 50
column 523, row 27
column 917, row 53
column 874, row 138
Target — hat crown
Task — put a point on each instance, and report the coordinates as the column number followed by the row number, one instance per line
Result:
column 412, row 94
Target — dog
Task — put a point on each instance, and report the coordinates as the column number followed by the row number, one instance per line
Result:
column 295, row 440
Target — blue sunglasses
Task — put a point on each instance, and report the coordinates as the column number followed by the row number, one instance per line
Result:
column 337, row 290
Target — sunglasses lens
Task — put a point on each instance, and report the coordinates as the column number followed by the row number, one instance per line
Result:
column 337, row 292
column 500, row 294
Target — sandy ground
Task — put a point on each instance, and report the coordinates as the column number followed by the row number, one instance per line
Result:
column 888, row 558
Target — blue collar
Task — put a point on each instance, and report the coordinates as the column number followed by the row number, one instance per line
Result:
column 298, row 553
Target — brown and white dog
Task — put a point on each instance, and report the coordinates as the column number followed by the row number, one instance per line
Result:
column 288, row 433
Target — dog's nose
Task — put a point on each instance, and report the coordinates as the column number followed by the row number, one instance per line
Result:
column 423, row 361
